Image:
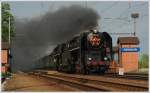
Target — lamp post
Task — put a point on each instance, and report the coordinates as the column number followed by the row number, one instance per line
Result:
column 135, row 16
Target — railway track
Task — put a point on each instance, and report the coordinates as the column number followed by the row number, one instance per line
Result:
column 134, row 76
column 130, row 76
column 69, row 82
column 95, row 83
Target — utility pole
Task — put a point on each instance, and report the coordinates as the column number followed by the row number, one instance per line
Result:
column 9, row 32
column 10, row 55
column 135, row 16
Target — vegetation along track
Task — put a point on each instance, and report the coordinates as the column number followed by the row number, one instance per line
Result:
column 96, row 83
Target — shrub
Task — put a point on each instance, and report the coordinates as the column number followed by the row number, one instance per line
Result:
column 144, row 60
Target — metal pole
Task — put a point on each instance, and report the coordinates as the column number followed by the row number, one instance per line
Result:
column 134, row 16
column 9, row 31
column 10, row 64
column 134, row 27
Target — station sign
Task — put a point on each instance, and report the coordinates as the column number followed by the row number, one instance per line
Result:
column 135, row 49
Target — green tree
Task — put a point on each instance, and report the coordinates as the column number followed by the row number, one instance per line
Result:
column 144, row 60
column 5, row 22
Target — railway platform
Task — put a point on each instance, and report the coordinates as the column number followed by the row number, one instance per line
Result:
column 28, row 83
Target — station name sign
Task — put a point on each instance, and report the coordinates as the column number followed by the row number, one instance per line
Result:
column 136, row 49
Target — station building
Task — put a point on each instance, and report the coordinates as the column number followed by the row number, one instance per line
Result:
column 126, row 52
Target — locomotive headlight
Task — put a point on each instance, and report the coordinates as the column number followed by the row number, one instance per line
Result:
column 105, row 58
column 95, row 31
column 89, row 59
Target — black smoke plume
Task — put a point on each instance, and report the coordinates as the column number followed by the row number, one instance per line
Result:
column 37, row 37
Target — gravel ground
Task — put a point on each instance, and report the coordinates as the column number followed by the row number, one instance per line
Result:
column 24, row 82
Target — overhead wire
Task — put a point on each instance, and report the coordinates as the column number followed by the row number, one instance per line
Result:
column 124, row 24
column 123, row 13
column 111, row 6
column 117, row 17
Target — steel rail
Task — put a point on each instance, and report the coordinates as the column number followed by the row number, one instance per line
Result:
column 94, row 84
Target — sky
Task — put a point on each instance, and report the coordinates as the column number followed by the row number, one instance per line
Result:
column 115, row 16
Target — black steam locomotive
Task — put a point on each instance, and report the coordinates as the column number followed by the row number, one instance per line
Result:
column 86, row 53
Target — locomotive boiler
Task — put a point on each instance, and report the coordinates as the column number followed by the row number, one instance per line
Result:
column 86, row 53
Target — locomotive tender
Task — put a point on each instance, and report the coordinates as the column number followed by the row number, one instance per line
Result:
column 91, row 51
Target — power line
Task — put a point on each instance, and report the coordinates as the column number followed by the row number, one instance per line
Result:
column 118, row 17
column 106, row 9
column 113, row 33
column 127, row 10
column 124, row 24
column 121, row 26
column 123, row 13
column 144, row 15
column 123, row 18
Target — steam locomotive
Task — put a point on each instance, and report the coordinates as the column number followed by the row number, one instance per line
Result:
column 88, row 52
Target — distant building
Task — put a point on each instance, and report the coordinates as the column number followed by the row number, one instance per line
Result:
column 5, row 57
